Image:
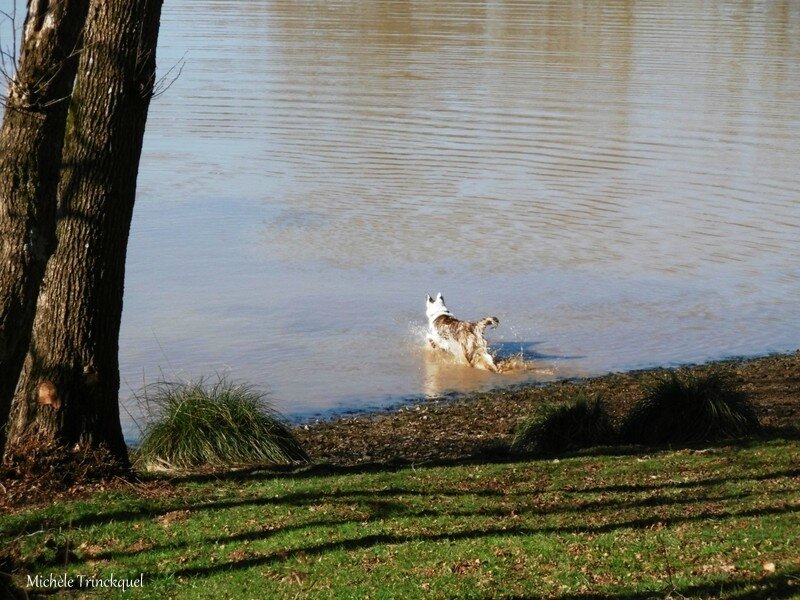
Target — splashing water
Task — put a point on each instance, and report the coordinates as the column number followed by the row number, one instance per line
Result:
column 444, row 372
column 517, row 363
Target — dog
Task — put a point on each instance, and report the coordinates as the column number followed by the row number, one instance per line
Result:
column 463, row 339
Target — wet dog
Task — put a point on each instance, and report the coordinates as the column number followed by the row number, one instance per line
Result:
column 463, row 339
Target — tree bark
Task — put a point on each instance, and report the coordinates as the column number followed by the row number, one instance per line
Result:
column 69, row 388
column 30, row 157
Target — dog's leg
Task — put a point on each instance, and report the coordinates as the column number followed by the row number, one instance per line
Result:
column 488, row 360
column 484, row 361
column 433, row 343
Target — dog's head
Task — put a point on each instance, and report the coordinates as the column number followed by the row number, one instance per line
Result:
column 435, row 308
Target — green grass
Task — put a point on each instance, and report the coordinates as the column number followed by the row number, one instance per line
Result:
column 687, row 523
column 197, row 424
column 690, row 408
column 556, row 428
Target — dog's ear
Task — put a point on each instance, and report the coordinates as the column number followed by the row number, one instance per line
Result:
column 440, row 297
column 429, row 298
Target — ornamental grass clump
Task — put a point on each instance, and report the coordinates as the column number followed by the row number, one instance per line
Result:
column 556, row 428
column 197, row 424
column 691, row 408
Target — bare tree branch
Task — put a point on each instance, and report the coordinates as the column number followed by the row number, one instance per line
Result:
column 162, row 85
column 8, row 58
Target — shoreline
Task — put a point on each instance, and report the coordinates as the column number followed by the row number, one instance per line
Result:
column 397, row 403
column 451, row 429
column 474, row 425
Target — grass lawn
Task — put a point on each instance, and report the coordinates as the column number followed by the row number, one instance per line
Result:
column 720, row 522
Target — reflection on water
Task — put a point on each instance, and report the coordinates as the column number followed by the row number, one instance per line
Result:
column 617, row 181
column 560, row 134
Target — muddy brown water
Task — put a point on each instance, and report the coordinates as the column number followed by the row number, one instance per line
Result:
column 617, row 181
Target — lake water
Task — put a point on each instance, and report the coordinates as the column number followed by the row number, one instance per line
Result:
column 617, row 181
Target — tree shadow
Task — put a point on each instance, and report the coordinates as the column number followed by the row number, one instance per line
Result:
column 775, row 586
column 304, row 498
column 372, row 540
column 383, row 509
column 633, row 488
column 502, row 519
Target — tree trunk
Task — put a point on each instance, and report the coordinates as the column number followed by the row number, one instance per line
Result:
column 69, row 389
column 30, row 159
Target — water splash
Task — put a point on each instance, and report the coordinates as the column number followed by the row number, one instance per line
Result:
column 517, row 363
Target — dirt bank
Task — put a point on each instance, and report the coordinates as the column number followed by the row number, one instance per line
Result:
column 478, row 424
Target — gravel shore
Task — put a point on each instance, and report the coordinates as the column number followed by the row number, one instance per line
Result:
column 480, row 424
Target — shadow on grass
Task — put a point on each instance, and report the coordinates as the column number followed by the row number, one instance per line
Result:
column 378, row 505
column 369, row 541
column 258, row 474
column 315, row 471
column 632, row 488
column 776, row 586
column 382, row 509
column 304, row 498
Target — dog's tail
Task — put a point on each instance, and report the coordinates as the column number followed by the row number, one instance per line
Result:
column 488, row 322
